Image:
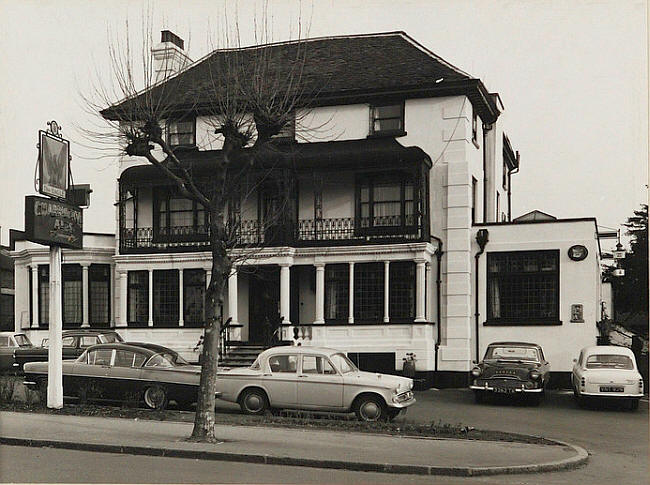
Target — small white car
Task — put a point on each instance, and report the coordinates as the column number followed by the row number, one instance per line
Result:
column 312, row 378
column 607, row 371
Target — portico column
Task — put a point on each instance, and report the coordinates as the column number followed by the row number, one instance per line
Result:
column 123, row 296
column 428, row 302
column 181, row 321
column 150, row 322
column 84, row 295
column 320, row 293
column 351, row 293
column 420, row 276
column 386, row 291
column 285, row 302
column 232, row 297
column 35, row 316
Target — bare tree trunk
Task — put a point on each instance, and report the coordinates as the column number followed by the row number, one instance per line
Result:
column 221, row 266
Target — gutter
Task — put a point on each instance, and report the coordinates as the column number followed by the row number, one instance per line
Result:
column 439, row 252
column 482, row 238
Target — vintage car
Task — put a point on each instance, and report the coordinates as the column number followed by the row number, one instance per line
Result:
column 10, row 341
column 606, row 372
column 136, row 372
column 511, row 368
column 74, row 343
column 311, row 378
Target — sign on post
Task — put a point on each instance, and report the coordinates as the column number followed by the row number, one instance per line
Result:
column 53, row 223
column 53, row 162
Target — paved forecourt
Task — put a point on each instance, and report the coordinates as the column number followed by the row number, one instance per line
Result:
column 284, row 446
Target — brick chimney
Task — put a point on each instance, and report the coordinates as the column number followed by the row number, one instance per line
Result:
column 169, row 55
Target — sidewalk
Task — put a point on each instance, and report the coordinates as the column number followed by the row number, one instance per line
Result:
column 315, row 448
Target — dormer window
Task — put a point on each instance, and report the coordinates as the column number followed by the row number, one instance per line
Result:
column 387, row 119
column 181, row 133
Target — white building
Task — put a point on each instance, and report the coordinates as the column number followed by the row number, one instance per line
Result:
column 376, row 251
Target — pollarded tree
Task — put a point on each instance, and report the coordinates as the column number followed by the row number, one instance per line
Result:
column 249, row 95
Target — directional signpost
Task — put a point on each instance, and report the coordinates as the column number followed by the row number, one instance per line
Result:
column 53, row 221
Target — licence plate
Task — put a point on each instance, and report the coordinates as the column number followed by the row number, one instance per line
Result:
column 504, row 390
column 611, row 389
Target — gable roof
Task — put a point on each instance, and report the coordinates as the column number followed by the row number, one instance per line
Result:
column 336, row 70
column 535, row 215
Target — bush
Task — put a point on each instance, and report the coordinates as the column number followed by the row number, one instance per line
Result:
column 7, row 388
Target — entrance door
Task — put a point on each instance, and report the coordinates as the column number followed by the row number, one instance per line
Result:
column 263, row 304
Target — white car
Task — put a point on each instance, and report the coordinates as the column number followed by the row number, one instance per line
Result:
column 607, row 371
column 312, row 378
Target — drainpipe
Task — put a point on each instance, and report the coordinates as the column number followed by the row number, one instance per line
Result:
column 439, row 252
column 510, row 172
column 482, row 240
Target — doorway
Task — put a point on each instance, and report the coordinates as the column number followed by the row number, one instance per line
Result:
column 263, row 303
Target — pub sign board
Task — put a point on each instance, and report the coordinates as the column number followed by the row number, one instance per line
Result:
column 53, row 164
column 53, row 223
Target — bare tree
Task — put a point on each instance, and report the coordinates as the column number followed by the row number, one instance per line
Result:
column 249, row 95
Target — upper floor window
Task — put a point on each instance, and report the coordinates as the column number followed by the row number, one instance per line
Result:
column 176, row 217
column 387, row 119
column 181, row 132
column 523, row 287
column 385, row 201
column 288, row 131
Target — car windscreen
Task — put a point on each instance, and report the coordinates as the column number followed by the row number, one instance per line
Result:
column 109, row 338
column 609, row 361
column 343, row 364
column 508, row 352
column 22, row 341
column 166, row 359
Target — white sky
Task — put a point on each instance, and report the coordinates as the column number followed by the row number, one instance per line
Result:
column 572, row 74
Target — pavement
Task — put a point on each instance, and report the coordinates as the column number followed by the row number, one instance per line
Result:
column 288, row 446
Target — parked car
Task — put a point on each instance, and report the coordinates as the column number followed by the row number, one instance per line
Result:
column 139, row 372
column 511, row 368
column 312, row 378
column 607, row 372
column 10, row 341
column 74, row 343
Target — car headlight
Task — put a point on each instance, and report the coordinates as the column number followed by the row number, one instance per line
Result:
column 534, row 375
column 476, row 371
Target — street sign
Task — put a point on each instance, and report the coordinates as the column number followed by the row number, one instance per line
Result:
column 53, row 162
column 52, row 222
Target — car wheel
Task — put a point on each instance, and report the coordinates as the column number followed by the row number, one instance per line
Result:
column 253, row 401
column 155, row 397
column 479, row 397
column 370, row 408
column 393, row 413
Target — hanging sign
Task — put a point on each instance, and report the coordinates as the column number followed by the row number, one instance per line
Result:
column 53, row 162
column 52, row 222
column 578, row 252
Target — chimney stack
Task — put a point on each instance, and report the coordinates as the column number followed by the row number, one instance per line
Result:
column 169, row 55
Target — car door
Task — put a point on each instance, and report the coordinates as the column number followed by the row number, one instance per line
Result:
column 7, row 347
column 70, row 348
column 91, row 374
column 123, row 377
column 319, row 384
column 280, row 383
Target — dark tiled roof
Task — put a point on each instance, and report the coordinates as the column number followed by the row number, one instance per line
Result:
column 331, row 155
column 336, row 70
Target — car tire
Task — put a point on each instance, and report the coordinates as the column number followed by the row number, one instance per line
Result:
column 155, row 397
column 479, row 397
column 393, row 413
column 370, row 409
column 254, row 402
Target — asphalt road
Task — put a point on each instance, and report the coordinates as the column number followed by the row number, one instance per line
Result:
column 617, row 440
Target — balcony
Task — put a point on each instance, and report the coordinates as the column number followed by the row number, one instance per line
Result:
column 309, row 232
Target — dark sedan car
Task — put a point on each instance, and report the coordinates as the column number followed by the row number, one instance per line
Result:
column 10, row 341
column 74, row 343
column 135, row 372
column 511, row 368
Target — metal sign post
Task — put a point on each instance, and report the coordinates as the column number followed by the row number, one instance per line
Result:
column 55, row 350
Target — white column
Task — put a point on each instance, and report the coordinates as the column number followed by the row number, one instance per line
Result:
column 123, row 297
column 55, row 346
column 419, row 291
column 150, row 322
column 232, row 297
column 35, row 319
column 351, row 294
column 386, row 291
column 285, row 297
column 181, row 320
column 428, row 303
column 320, row 293
column 85, row 303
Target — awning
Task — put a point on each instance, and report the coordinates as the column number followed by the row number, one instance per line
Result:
column 326, row 156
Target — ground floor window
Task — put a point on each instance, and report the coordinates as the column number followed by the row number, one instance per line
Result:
column 337, row 283
column 165, row 297
column 368, row 292
column 72, row 294
column 138, row 298
column 194, row 297
column 99, row 291
column 523, row 287
column 6, row 313
column 402, row 291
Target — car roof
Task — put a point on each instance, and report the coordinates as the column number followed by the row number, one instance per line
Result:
column 87, row 331
column 149, row 346
column 299, row 349
column 11, row 334
column 607, row 349
column 517, row 344
column 124, row 346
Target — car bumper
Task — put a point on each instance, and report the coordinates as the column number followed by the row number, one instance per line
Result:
column 505, row 390
column 611, row 395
